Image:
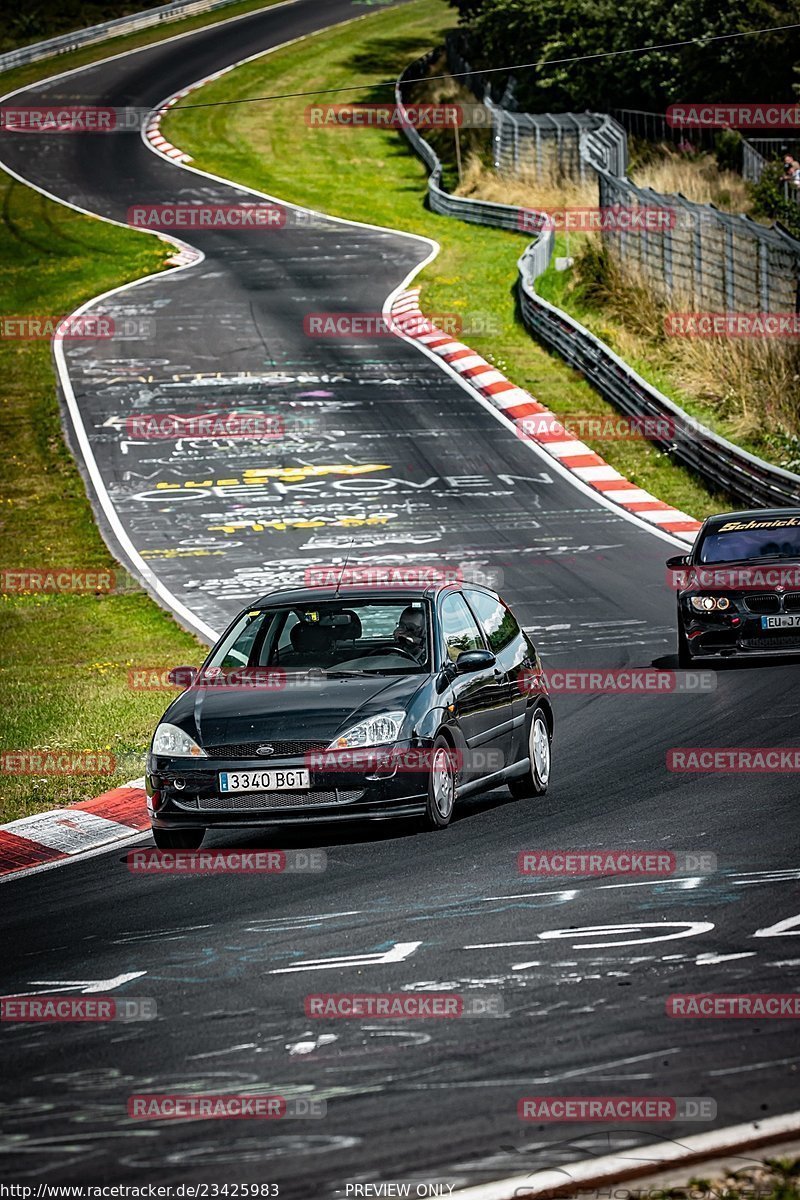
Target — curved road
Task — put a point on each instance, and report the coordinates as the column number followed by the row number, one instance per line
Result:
column 229, row 960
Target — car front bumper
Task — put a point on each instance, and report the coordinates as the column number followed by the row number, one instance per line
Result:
column 710, row 636
column 184, row 793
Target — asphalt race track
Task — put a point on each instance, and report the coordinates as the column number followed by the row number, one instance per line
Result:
column 413, row 468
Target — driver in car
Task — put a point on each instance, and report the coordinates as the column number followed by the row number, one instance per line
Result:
column 410, row 634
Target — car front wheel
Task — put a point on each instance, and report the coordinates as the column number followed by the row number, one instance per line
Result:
column 684, row 653
column 535, row 780
column 441, row 785
column 178, row 839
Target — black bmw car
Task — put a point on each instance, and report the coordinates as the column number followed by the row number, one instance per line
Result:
column 322, row 704
column 739, row 588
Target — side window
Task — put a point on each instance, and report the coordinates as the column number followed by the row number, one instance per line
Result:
column 285, row 639
column 459, row 627
column 238, row 651
column 499, row 623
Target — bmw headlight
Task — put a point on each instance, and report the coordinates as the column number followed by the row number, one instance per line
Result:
column 374, row 731
column 173, row 742
column 709, row 603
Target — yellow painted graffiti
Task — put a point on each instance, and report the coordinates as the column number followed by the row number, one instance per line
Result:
column 282, row 526
column 261, row 476
column 174, row 553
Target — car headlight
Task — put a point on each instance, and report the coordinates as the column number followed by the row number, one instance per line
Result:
column 709, row 603
column 374, row 731
column 171, row 741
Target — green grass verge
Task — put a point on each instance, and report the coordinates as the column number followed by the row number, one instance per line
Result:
column 64, row 658
column 769, row 1179
column 372, row 175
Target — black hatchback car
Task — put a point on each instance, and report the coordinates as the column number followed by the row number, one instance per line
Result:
column 322, row 704
column 739, row 588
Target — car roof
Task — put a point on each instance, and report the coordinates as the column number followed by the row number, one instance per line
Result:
column 321, row 595
column 751, row 514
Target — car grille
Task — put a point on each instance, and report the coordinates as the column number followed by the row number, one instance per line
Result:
column 762, row 603
column 772, row 643
column 257, row 801
column 295, row 749
column 791, row 602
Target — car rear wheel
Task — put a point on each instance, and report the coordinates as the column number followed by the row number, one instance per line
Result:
column 535, row 780
column 442, row 785
column 178, row 839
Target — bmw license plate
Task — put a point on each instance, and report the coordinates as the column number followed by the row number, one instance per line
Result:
column 292, row 779
column 780, row 622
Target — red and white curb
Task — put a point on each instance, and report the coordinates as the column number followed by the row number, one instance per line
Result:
column 152, row 131
column 50, row 837
column 638, row 1162
column 516, row 404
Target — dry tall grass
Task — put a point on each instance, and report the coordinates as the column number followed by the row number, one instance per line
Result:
column 551, row 189
column 697, row 178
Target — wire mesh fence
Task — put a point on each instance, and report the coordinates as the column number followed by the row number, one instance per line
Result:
column 712, row 259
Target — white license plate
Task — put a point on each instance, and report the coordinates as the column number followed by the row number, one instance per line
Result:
column 780, row 622
column 293, row 779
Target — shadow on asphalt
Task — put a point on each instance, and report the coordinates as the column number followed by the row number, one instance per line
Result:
column 308, row 837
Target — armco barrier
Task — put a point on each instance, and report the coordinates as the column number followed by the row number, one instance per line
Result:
column 478, row 212
column 725, row 467
column 107, row 29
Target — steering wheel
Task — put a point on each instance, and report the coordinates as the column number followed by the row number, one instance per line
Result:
column 391, row 650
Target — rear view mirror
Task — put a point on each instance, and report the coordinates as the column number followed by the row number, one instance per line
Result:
column 474, row 660
column 678, row 561
column 182, row 677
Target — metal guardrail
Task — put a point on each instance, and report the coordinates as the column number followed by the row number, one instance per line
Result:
column 743, row 476
column 107, row 29
column 478, row 212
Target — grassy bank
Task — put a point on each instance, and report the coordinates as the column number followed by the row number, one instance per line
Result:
column 745, row 389
column 371, row 175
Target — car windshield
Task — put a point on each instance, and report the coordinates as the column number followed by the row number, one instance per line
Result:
column 384, row 637
column 741, row 542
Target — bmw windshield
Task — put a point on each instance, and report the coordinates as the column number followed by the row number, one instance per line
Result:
column 738, row 542
column 390, row 637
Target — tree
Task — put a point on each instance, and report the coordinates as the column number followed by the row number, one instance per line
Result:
column 511, row 32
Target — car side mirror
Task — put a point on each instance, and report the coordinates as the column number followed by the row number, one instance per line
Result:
column 182, row 677
column 678, row 561
column 474, row 660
